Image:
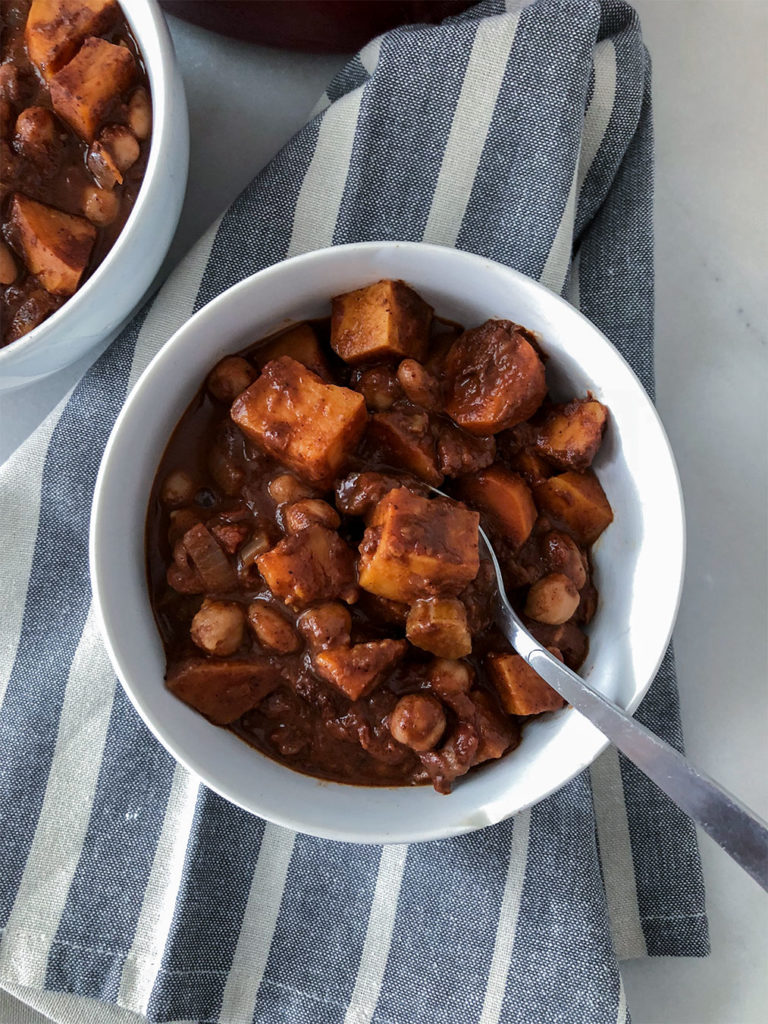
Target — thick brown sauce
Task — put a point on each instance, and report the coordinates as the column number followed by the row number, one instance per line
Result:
column 63, row 191
column 333, row 722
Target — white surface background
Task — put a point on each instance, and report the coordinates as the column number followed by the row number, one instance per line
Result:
column 711, row 111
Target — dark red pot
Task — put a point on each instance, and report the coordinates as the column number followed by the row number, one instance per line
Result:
column 317, row 26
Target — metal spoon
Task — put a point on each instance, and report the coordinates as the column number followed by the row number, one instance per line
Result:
column 741, row 833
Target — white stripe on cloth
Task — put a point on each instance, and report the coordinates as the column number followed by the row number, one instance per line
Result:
column 621, row 1013
column 378, row 936
column 507, row 923
column 317, row 206
column 258, row 927
column 616, row 857
column 61, row 828
column 21, row 480
column 596, row 120
column 369, row 58
column 471, row 121
column 19, row 1005
column 154, row 923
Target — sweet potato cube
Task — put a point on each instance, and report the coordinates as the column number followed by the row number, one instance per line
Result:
column 530, row 466
column 56, row 28
column 312, row 565
column 56, row 246
column 300, row 343
column 494, row 378
column 577, row 502
column 521, row 690
column 497, row 732
column 506, row 500
column 307, row 425
column 383, row 320
column 85, row 91
column 415, row 547
column 403, row 438
column 222, row 690
column 571, row 434
column 439, row 625
column 356, row 670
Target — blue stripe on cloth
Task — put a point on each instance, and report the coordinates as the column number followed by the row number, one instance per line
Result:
column 118, row 852
column 221, row 857
column 445, row 928
column 531, row 150
column 669, row 918
column 256, row 230
column 320, row 932
column 563, row 968
column 58, row 599
column 402, row 129
column 620, row 24
column 351, row 76
column 616, row 281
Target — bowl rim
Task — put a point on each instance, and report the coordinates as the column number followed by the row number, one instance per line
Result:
column 198, row 766
column 145, row 20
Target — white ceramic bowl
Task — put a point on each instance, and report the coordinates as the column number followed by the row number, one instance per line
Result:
column 638, row 560
column 116, row 287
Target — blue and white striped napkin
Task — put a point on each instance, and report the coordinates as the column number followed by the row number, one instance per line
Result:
column 522, row 133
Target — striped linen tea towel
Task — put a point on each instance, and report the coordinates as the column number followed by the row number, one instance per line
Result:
column 520, row 132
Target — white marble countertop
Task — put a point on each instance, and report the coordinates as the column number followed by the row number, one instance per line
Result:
column 711, row 98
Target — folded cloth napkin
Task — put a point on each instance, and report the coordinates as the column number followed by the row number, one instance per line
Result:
column 522, row 133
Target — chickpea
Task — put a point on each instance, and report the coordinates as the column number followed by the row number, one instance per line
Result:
column 36, row 138
column 418, row 721
column 286, row 487
column 178, row 489
column 449, row 676
column 100, row 207
column 271, row 629
column 552, row 599
column 310, row 512
column 218, row 627
column 379, row 387
column 8, row 268
column 418, row 384
column 230, row 378
column 562, row 555
column 140, row 114
column 326, row 625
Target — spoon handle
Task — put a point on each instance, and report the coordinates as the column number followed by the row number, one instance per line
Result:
column 740, row 832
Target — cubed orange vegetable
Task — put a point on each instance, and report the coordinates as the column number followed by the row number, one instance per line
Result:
column 301, row 344
column 312, row 565
column 56, row 246
column 383, row 320
column 356, row 670
column 307, row 425
column 505, row 498
column 87, row 89
column 56, row 28
column 494, row 378
column 577, row 502
column 415, row 547
column 571, row 434
column 439, row 625
column 223, row 690
column 521, row 690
